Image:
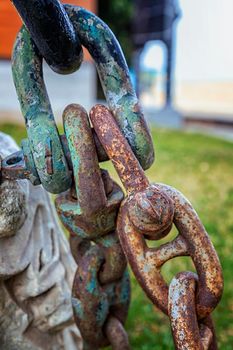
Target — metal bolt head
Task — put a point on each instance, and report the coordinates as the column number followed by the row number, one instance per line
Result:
column 151, row 212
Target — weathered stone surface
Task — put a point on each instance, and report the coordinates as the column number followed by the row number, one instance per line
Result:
column 12, row 197
column 36, row 270
column 12, row 208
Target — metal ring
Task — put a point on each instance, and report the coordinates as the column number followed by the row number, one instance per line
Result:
column 52, row 32
column 113, row 71
column 36, row 108
column 186, row 330
column 43, row 136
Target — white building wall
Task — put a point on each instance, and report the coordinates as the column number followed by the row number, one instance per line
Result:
column 79, row 87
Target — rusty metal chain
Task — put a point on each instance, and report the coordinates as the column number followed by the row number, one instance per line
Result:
column 148, row 212
column 43, row 158
column 106, row 229
column 101, row 290
column 187, row 330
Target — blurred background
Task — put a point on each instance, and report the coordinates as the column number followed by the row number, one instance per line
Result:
column 179, row 54
column 181, row 62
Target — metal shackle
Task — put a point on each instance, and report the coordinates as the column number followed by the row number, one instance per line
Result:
column 114, row 75
column 44, row 145
column 52, row 32
column 36, row 108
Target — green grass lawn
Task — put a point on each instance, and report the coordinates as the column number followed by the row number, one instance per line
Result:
column 202, row 168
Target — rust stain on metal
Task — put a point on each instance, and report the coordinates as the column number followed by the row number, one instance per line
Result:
column 106, row 229
column 49, row 157
column 119, row 151
column 188, row 333
column 116, row 334
column 148, row 212
column 101, row 290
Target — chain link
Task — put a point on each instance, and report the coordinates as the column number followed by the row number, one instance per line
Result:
column 187, row 330
column 52, row 32
column 43, row 159
column 101, row 290
column 148, row 212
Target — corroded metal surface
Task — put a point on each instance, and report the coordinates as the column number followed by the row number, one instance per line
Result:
column 21, row 165
column 43, row 137
column 101, row 290
column 116, row 334
column 194, row 242
column 200, row 249
column 39, row 119
column 53, row 33
column 119, row 152
column 89, row 212
column 93, row 302
column 113, row 71
column 105, row 228
column 187, row 333
column 148, row 212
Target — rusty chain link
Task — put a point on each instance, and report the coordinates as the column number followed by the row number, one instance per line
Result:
column 106, row 229
column 188, row 331
column 148, row 212
column 101, row 290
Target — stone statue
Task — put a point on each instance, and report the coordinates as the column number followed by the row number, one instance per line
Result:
column 36, row 270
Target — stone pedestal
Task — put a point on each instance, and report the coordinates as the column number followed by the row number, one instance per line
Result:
column 36, row 270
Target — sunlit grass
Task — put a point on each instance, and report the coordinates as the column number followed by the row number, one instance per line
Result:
column 202, row 168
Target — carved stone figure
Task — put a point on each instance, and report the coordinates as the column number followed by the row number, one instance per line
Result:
column 36, row 270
